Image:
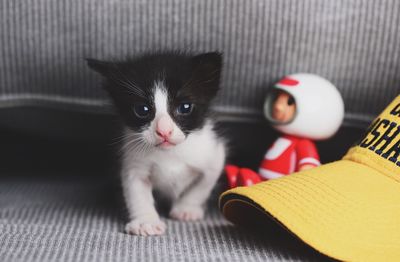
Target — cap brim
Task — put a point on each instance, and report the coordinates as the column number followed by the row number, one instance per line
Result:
column 344, row 210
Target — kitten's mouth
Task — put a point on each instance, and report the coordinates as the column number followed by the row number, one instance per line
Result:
column 165, row 144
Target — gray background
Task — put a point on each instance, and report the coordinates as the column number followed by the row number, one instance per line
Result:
column 353, row 43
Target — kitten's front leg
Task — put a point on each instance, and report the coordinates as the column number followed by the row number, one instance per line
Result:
column 190, row 206
column 139, row 199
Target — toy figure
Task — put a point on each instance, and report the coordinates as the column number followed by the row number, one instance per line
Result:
column 304, row 107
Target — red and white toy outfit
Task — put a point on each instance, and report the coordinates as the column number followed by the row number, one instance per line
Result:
column 319, row 114
column 287, row 155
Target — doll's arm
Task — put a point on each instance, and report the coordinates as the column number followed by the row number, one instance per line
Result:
column 307, row 155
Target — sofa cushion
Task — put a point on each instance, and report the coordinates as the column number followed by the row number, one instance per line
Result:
column 352, row 43
column 77, row 220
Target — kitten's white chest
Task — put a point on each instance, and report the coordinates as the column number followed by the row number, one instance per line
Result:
column 171, row 174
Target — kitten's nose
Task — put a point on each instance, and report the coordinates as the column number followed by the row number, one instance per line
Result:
column 164, row 127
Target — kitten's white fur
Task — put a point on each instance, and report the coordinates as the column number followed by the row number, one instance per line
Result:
column 186, row 172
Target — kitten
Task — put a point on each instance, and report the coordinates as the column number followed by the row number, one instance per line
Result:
column 170, row 146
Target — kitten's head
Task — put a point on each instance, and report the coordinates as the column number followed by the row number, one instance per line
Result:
column 162, row 97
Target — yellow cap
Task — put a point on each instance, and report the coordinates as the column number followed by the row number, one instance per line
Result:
column 348, row 209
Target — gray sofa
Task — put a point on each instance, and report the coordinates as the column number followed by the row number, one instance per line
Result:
column 60, row 198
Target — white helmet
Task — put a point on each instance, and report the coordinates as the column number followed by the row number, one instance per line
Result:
column 319, row 106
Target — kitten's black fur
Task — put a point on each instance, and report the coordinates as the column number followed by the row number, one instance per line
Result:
column 187, row 78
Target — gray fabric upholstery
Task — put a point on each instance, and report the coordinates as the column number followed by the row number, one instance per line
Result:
column 352, row 43
column 80, row 221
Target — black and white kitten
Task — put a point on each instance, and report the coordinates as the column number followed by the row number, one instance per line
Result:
column 171, row 146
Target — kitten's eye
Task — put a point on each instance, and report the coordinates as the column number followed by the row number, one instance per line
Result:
column 142, row 111
column 290, row 101
column 185, row 108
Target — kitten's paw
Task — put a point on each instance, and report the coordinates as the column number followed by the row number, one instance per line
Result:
column 187, row 212
column 145, row 227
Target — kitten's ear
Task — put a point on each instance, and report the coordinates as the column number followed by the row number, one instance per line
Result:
column 207, row 70
column 99, row 66
column 208, row 64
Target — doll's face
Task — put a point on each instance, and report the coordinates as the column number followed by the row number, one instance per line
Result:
column 283, row 108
